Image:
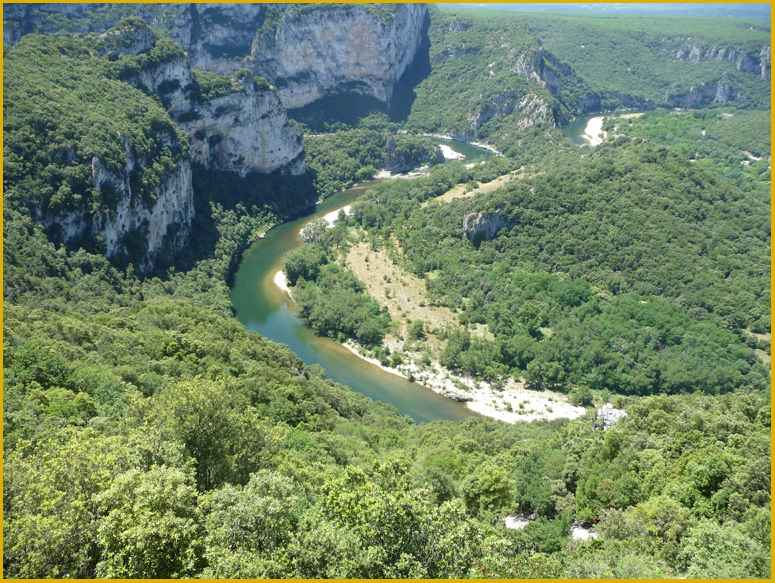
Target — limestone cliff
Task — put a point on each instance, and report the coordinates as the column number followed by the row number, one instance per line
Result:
column 306, row 51
column 543, row 68
column 743, row 62
column 168, row 216
column 244, row 131
column 324, row 51
column 241, row 127
column 704, row 94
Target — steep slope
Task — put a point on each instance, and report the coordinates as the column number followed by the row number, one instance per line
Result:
column 472, row 79
column 235, row 122
column 307, row 51
column 129, row 191
column 640, row 61
column 97, row 161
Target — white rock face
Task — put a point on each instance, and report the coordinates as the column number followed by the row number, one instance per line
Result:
column 174, row 205
column 177, row 73
column 609, row 415
column 129, row 40
column 324, row 51
column 311, row 54
column 245, row 131
column 742, row 61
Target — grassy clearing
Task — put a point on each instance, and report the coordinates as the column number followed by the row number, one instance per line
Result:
column 403, row 293
column 459, row 191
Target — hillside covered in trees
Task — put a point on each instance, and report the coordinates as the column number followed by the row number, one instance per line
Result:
column 148, row 434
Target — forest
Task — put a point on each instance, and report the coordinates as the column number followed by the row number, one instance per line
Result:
column 635, row 56
column 148, row 434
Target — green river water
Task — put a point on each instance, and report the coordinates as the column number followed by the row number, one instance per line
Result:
column 262, row 306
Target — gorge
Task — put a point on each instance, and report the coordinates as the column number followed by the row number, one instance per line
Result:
column 556, row 224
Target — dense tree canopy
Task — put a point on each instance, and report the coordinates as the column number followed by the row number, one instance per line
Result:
column 147, row 434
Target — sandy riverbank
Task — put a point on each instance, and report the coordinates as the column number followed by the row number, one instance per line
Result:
column 479, row 396
column 450, row 154
column 477, row 144
column 281, row 281
column 387, row 175
column 331, row 217
column 594, row 133
column 526, row 405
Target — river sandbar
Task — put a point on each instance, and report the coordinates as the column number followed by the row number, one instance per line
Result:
column 450, row 154
column 594, row 133
column 281, row 281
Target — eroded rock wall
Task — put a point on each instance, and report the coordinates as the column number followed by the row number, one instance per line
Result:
column 244, row 132
column 169, row 214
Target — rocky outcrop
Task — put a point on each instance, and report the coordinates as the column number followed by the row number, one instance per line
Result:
column 306, row 52
column 455, row 53
column 456, row 26
column 483, row 226
column 533, row 108
column 21, row 19
column 168, row 216
column 332, row 50
column 244, row 131
column 541, row 66
column 704, row 94
column 742, row 61
column 608, row 415
column 132, row 37
column 764, row 59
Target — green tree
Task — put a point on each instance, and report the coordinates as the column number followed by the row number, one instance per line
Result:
column 713, row 551
column 50, row 506
column 488, row 488
column 150, row 526
column 248, row 529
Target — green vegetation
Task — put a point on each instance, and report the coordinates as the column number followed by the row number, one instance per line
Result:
column 208, row 85
column 634, row 56
column 95, row 18
column 385, row 13
column 337, row 161
column 458, row 92
column 710, row 141
column 78, row 114
column 331, row 298
column 147, row 434
column 644, row 292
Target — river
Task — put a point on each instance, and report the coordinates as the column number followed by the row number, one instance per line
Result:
column 574, row 131
column 262, row 306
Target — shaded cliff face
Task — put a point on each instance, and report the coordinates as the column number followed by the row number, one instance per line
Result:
column 306, row 52
column 704, row 94
column 168, row 217
column 235, row 122
column 100, row 163
column 742, row 61
column 483, row 226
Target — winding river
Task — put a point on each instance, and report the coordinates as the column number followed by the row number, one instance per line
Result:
column 262, row 306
